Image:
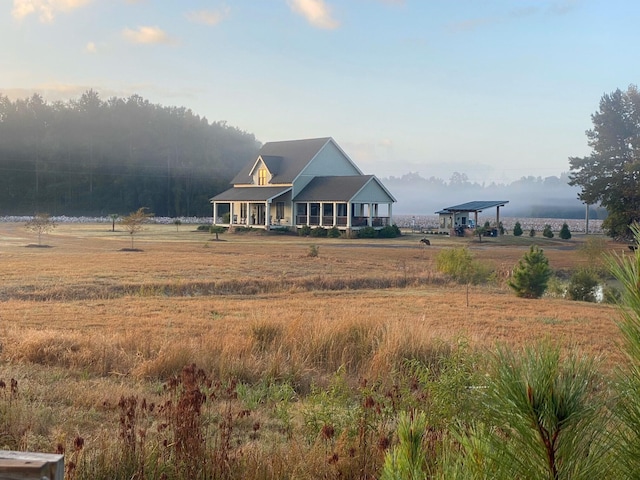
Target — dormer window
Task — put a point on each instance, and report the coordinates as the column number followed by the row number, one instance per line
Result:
column 262, row 176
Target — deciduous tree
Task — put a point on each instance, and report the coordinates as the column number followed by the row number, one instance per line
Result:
column 40, row 223
column 134, row 222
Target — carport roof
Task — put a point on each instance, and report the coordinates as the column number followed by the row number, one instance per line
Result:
column 475, row 206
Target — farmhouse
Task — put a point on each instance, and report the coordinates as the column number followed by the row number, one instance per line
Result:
column 303, row 182
column 456, row 219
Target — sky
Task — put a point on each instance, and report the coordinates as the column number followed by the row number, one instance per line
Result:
column 494, row 89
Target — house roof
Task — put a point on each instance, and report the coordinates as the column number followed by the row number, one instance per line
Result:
column 285, row 160
column 333, row 189
column 475, row 206
column 250, row 194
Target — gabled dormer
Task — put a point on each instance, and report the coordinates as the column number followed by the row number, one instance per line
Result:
column 264, row 169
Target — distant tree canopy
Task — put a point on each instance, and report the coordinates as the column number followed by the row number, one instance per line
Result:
column 611, row 174
column 95, row 157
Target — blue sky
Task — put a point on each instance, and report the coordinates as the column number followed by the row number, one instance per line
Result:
column 495, row 89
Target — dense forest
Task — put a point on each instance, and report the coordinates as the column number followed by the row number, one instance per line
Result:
column 97, row 157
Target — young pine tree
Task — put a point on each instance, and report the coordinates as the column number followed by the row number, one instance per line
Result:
column 517, row 229
column 544, row 421
column 531, row 275
column 626, row 269
column 565, row 233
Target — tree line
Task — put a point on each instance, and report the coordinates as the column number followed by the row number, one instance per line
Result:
column 89, row 156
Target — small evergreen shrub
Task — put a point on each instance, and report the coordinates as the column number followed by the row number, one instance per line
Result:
column 547, row 232
column 531, row 274
column 532, row 232
column 334, row 232
column 319, row 232
column 517, row 229
column 314, row 251
column 390, row 231
column 304, row 231
column 583, row 284
column 565, row 233
column 367, row 232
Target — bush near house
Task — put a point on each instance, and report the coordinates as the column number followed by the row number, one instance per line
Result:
column 319, row 232
column 304, row 231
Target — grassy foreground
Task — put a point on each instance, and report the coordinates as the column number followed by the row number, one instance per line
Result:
column 247, row 358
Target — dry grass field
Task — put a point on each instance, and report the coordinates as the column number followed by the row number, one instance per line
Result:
column 84, row 323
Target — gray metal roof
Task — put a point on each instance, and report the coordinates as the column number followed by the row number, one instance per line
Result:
column 285, row 160
column 250, row 194
column 332, row 189
column 475, row 206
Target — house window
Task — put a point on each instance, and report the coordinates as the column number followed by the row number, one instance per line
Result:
column 262, row 176
column 279, row 210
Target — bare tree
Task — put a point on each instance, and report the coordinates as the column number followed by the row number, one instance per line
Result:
column 40, row 223
column 134, row 222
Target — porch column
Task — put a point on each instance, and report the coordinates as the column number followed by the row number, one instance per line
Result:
column 370, row 221
column 215, row 211
column 267, row 214
column 246, row 220
column 390, row 216
column 308, row 214
column 230, row 213
column 498, row 219
column 335, row 213
column 475, row 216
column 349, row 215
column 321, row 213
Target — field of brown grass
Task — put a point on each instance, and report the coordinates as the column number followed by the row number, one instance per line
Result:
column 84, row 322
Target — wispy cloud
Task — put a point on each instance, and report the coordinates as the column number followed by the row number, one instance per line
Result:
column 556, row 7
column 561, row 7
column 46, row 10
column 316, row 12
column 147, row 35
column 208, row 17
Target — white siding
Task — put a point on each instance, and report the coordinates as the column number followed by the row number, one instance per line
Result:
column 330, row 161
column 372, row 193
column 301, row 182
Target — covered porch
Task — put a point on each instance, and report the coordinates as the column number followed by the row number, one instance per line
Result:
column 343, row 215
column 262, row 207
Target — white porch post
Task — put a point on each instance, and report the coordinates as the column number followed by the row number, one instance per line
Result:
column 349, row 215
column 230, row 213
column 335, row 213
column 321, row 213
column 267, row 214
column 498, row 220
column 215, row 212
column 308, row 214
column 390, row 215
column 370, row 221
